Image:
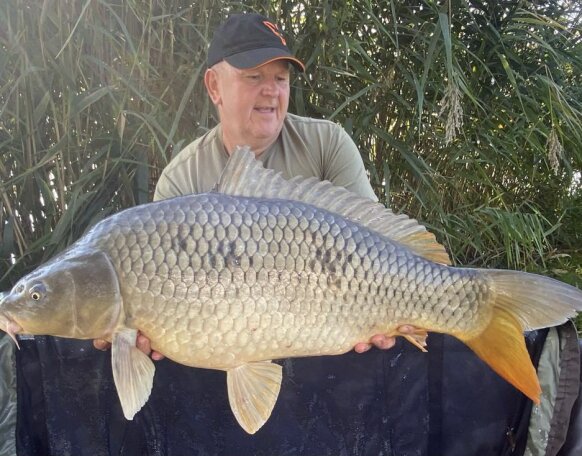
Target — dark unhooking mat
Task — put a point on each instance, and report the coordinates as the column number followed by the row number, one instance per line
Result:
column 396, row 402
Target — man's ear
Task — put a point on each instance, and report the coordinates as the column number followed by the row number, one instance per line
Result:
column 212, row 86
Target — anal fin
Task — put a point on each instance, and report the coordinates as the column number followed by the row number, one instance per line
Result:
column 252, row 391
column 133, row 372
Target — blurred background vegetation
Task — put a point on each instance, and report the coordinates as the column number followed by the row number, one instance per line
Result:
column 468, row 114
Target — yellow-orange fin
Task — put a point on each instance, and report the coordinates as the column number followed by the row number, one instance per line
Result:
column 424, row 243
column 502, row 346
column 520, row 301
column 416, row 338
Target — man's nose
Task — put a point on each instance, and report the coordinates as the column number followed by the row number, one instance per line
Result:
column 270, row 88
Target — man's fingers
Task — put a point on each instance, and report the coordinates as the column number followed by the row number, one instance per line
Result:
column 143, row 344
column 379, row 340
column 156, row 356
column 383, row 342
column 362, row 347
column 101, row 344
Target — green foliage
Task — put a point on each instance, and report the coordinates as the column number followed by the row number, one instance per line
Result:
column 468, row 114
column 469, row 118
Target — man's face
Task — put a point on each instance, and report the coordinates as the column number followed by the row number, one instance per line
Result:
column 252, row 103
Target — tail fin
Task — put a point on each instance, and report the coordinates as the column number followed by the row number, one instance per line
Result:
column 522, row 301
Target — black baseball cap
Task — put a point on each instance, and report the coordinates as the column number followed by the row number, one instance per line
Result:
column 248, row 41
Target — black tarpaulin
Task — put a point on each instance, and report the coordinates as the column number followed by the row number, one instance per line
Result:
column 396, row 402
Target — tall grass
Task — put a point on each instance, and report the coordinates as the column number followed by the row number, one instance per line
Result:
column 468, row 114
column 94, row 98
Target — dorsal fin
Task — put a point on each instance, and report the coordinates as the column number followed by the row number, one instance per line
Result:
column 244, row 175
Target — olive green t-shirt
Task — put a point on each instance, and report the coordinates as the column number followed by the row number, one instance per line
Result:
column 306, row 147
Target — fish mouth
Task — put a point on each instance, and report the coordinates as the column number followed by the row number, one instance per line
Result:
column 11, row 328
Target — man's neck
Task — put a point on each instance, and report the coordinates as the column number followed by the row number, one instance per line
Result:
column 231, row 144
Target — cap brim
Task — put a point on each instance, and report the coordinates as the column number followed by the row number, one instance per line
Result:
column 258, row 57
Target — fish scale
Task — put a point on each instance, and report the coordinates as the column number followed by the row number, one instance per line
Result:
column 294, row 247
column 265, row 268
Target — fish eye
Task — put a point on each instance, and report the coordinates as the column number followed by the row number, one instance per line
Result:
column 37, row 292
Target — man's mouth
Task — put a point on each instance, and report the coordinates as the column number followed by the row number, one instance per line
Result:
column 265, row 109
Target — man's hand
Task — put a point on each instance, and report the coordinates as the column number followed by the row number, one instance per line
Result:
column 142, row 343
column 382, row 341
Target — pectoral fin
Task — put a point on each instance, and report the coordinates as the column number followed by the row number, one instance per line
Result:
column 133, row 372
column 252, row 391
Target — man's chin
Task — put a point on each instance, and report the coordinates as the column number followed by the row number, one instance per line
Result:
column 267, row 133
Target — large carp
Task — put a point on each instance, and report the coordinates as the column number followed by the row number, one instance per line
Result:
column 263, row 268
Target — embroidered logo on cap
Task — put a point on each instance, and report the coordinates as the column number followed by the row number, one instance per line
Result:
column 275, row 30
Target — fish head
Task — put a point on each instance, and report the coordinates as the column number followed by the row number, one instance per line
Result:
column 74, row 295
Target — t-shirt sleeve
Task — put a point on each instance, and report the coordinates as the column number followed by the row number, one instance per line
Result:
column 343, row 164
